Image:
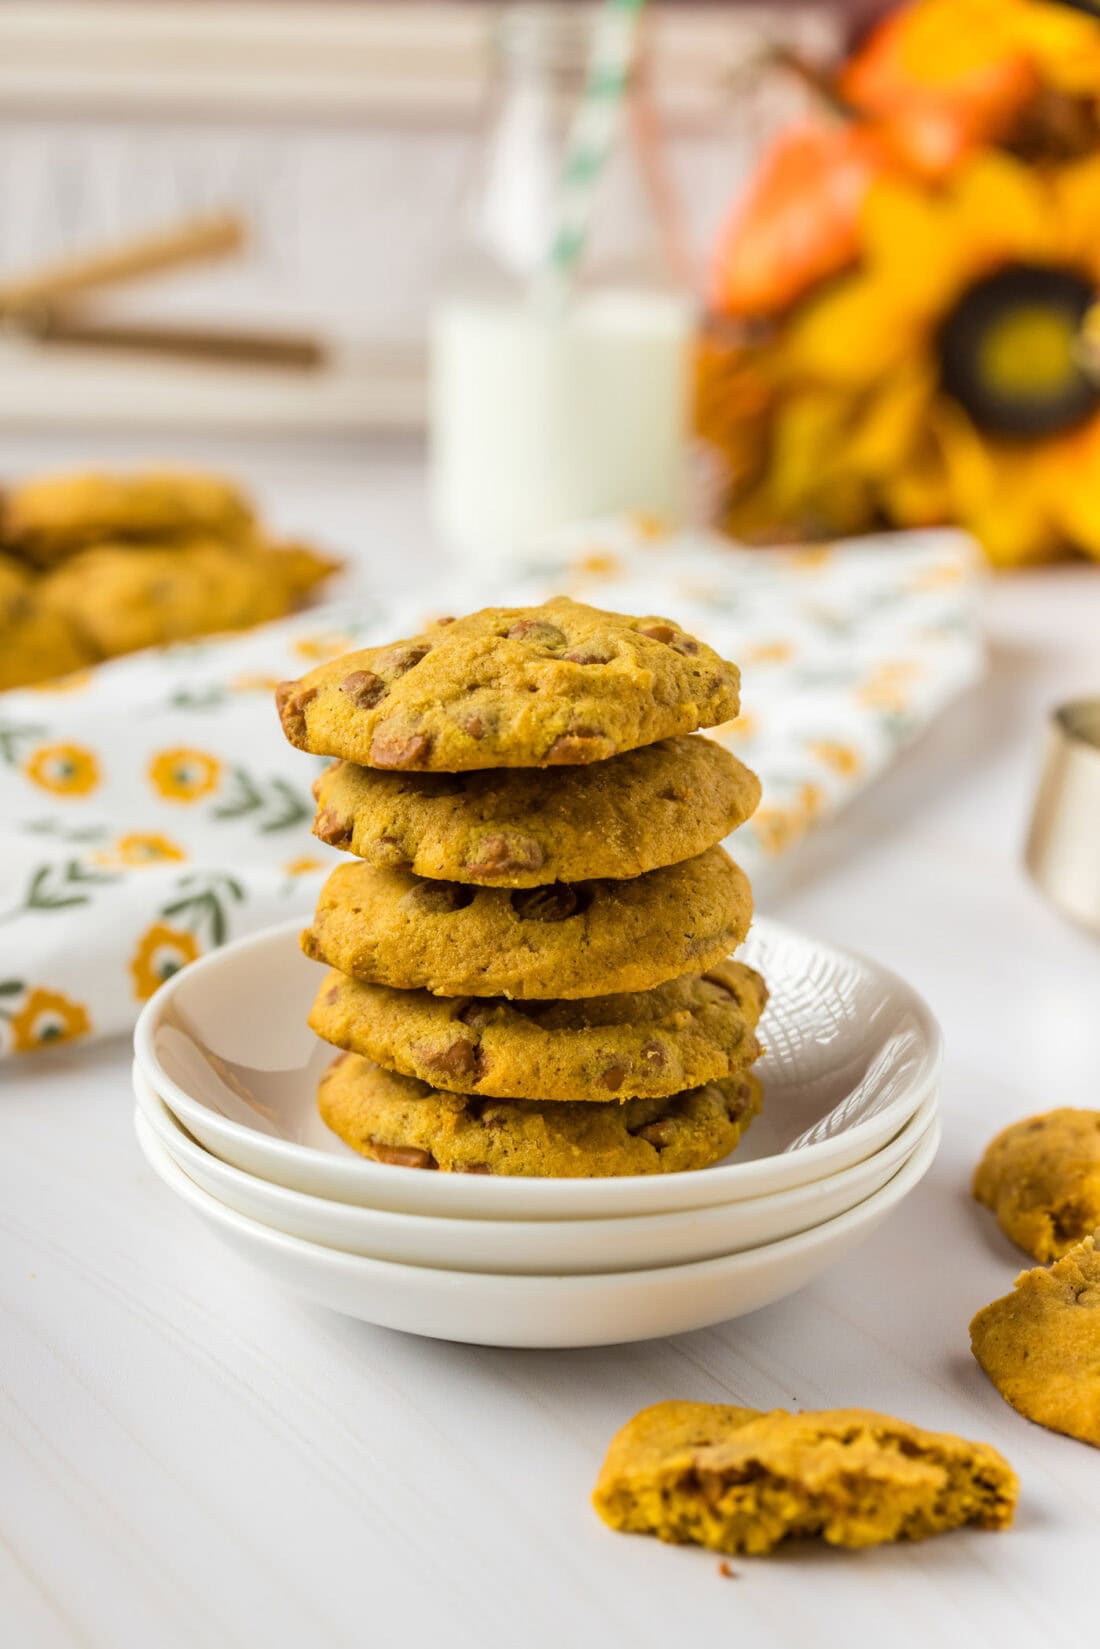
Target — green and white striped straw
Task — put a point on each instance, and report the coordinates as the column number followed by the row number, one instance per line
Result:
column 591, row 140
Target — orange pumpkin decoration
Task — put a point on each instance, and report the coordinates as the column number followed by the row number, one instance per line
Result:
column 797, row 222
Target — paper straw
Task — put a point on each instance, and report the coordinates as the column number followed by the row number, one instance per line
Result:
column 591, row 139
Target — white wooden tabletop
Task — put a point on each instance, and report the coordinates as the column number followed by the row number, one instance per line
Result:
column 190, row 1457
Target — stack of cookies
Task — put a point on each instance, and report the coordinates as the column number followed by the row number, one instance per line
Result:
column 530, row 953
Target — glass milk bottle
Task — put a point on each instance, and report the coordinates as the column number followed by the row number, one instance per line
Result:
column 554, row 403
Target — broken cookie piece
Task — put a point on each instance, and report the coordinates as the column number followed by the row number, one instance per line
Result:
column 738, row 1480
column 1040, row 1345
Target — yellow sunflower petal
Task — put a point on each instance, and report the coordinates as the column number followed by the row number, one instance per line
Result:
column 891, row 423
column 1071, row 480
column 1064, row 44
column 903, row 239
column 1076, row 212
column 850, row 334
column 1003, row 212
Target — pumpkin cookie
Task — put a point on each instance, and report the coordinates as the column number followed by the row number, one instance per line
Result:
column 648, row 807
column 738, row 1480
column 48, row 518
column 121, row 597
column 1040, row 1345
column 557, row 685
column 691, row 1030
column 398, row 1120
column 36, row 643
column 1041, row 1177
column 570, row 939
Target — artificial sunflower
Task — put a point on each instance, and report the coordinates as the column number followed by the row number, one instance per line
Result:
column 46, row 1019
column 933, row 82
column 161, row 952
column 184, row 775
column 945, row 378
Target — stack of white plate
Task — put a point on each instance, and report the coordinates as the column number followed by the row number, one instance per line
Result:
column 226, row 1073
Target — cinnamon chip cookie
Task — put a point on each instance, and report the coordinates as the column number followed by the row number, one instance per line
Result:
column 1041, row 1177
column 557, row 685
column 36, row 643
column 691, row 1030
column 569, row 939
column 648, row 807
column 48, row 518
column 398, row 1120
column 1040, row 1345
column 120, row 597
column 738, row 1480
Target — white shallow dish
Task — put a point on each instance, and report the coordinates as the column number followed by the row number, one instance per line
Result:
column 852, row 1051
column 491, row 1309
column 533, row 1247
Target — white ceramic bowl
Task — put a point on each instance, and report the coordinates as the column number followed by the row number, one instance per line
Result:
column 533, row 1247
column 490, row 1309
column 852, row 1051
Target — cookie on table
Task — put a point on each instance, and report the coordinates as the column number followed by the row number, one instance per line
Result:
column 396, row 1119
column 569, row 939
column 557, row 685
column 646, row 808
column 36, row 644
column 694, row 1029
column 738, row 1480
column 1040, row 1345
column 46, row 519
column 121, row 597
column 1041, row 1178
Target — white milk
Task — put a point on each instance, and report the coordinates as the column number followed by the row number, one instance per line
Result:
column 538, row 419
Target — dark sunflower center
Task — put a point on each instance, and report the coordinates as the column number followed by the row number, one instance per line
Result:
column 1008, row 351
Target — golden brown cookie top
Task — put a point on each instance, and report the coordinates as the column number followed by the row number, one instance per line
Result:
column 523, row 827
column 1040, row 1345
column 397, row 1120
column 570, row 939
column 48, row 517
column 690, row 1030
column 123, row 596
column 558, row 685
column 1041, row 1178
column 36, row 643
column 740, row 1480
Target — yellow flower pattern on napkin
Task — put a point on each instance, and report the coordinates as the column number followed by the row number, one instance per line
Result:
column 44, row 1019
column 162, row 951
column 63, row 769
column 184, row 775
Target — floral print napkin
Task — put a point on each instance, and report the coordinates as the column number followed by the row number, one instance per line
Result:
column 151, row 809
